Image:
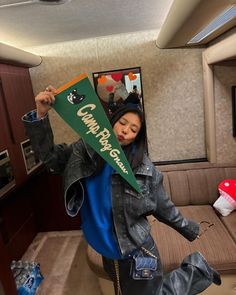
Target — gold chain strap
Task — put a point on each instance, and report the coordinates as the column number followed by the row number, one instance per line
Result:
column 208, row 225
column 116, row 264
column 148, row 252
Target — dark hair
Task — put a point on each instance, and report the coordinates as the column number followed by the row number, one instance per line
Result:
column 132, row 98
column 134, row 151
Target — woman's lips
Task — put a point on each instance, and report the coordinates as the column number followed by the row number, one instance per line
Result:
column 120, row 138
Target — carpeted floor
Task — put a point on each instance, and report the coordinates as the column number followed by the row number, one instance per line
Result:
column 62, row 258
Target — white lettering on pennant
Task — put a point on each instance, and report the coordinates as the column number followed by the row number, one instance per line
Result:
column 114, row 154
column 88, row 119
column 103, row 135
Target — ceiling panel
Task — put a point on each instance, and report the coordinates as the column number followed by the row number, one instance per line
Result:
column 36, row 24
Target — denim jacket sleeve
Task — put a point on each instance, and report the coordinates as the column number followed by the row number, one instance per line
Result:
column 40, row 134
column 166, row 212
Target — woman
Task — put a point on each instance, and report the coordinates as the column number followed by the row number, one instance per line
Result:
column 114, row 216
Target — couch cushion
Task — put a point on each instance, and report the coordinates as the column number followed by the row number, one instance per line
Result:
column 230, row 224
column 230, row 172
column 216, row 244
column 179, row 194
column 195, row 184
column 203, row 184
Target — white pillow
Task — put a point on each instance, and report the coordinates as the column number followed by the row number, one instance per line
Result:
column 223, row 206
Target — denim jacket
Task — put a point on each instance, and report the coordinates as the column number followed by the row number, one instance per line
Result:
column 130, row 209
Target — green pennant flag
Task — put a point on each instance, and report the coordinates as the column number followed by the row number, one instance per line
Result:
column 79, row 106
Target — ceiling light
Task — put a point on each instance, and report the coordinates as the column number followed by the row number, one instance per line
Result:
column 225, row 17
column 51, row 2
column 46, row 2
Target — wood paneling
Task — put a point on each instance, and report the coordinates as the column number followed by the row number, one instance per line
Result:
column 6, row 277
column 16, row 99
column 5, row 138
column 49, row 205
column 19, row 98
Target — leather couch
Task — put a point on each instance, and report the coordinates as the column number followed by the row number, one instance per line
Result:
column 193, row 187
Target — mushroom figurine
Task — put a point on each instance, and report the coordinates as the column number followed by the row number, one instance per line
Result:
column 226, row 203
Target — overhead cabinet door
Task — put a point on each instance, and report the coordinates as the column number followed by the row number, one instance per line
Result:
column 19, row 99
column 5, row 136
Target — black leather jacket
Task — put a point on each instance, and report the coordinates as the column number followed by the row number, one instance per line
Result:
column 130, row 209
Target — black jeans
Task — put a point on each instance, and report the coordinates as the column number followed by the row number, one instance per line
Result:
column 192, row 277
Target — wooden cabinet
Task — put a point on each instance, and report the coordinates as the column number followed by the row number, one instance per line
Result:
column 5, row 136
column 16, row 99
column 35, row 202
column 36, row 206
column 50, row 205
column 18, row 227
column 7, row 283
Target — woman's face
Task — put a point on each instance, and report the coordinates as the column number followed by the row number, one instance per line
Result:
column 127, row 128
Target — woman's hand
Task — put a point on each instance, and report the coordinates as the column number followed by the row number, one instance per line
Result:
column 44, row 101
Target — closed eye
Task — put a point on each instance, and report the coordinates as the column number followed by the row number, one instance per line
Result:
column 122, row 121
column 134, row 130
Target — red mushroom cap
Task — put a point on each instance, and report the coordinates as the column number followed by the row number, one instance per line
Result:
column 227, row 188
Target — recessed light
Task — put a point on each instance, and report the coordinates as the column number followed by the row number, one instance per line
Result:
column 222, row 19
column 51, row 2
column 45, row 2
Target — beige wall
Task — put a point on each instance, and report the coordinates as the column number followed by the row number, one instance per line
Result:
column 224, row 78
column 172, row 86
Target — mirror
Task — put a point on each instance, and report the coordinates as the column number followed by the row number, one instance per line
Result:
column 118, row 87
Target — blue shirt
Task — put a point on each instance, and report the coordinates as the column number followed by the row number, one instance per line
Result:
column 96, row 214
